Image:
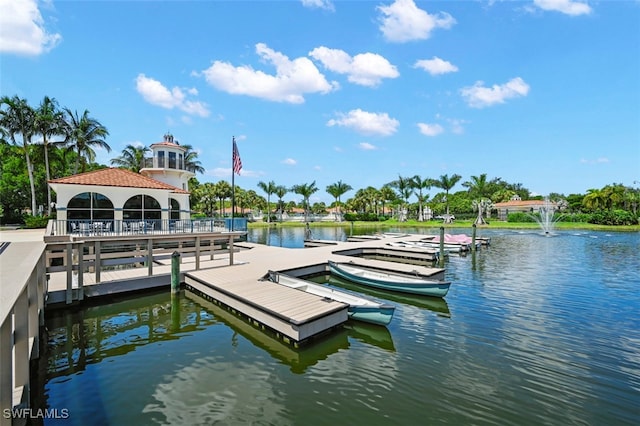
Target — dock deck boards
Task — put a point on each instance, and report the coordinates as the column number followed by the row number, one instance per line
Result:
column 293, row 313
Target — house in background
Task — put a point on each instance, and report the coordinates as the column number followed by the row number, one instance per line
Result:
column 516, row 204
column 158, row 192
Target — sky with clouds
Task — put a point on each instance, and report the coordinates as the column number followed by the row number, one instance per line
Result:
column 545, row 93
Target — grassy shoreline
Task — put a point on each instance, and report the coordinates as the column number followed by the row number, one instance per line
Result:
column 457, row 224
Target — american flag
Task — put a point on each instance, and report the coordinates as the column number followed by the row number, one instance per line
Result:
column 237, row 162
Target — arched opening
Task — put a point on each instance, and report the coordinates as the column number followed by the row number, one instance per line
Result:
column 142, row 207
column 90, row 206
column 174, row 209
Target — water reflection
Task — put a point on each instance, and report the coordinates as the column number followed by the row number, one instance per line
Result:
column 435, row 304
column 534, row 330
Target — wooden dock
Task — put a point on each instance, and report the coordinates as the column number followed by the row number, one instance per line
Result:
column 234, row 280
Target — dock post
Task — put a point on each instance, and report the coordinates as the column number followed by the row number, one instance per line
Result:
column 442, row 245
column 473, row 239
column 175, row 272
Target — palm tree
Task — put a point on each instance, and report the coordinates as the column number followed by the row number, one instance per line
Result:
column 19, row 118
column 403, row 185
column 280, row 191
column 387, row 194
column 595, row 199
column 269, row 188
column 478, row 186
column 306, row 190
column 132, row 158
column 445, row 182
column 206, row 194
column 337, row 190
column 48, row 122
column 420, row 184
column 82, row 133
column 482, row 205
column 223, row 191
column 191, row 161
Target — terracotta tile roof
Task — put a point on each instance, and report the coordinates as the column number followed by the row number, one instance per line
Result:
column 171, row 144
column 117, row 177
column 521, row 203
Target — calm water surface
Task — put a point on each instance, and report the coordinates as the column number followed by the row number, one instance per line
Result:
column 535, row 330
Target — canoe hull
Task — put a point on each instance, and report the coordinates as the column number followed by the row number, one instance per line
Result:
column 381, row 315
column 422, row 287
column 360, row 308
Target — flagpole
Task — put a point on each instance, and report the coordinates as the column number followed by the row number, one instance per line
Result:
column 233, row 185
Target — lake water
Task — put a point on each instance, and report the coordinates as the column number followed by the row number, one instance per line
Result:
column 535, row 330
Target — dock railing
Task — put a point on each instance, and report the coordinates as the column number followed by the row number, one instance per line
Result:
column 24, row 285
column 98, row 227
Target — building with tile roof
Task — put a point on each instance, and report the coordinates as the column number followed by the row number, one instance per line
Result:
column 157, row 193
column 516, row 204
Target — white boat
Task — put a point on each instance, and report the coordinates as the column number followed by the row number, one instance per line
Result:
column 389, row 280
column 360, row 308
column 426, row 246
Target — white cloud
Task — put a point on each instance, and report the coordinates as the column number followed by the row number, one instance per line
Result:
column 292, row 80
column 157, row 94
column 289, row 162
column 366, row 146
column 319, row 4
column 404, row 21
column 436, row 66
column 22, row 29
column 568, row 7
column 366, row 69
column 457, row 125
column 478, row 96
column 600, row 160
column 368, row 123
column 430, row 129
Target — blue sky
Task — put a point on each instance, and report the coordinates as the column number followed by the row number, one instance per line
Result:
column 545, row 93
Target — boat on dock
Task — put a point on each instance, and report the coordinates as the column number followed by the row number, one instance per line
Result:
column 360, row 308
column 425, row 245
column 389, row 280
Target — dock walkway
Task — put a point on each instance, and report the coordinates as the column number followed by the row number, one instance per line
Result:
column 293, row 314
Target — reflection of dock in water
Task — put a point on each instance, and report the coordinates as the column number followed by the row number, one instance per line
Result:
column 436, row 304
column 299, row 359
column 87, row 336
column 371, row 334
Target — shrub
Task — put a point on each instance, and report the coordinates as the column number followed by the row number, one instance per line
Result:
column 613, row 217
column 520, row 217
column 32, row 222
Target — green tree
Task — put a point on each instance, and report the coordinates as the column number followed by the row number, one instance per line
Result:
column 280, row 191
column 306, row 191
column 132, row 158
column 403, row 185
column 420, row 184
column 595, row 199
column 447, row 182
column 82, row 134
column 18, row 118
column 191, row 161
column 387, row 194
column 337, row 190
column 48, row 123
column 268, row 188
column 223, row 190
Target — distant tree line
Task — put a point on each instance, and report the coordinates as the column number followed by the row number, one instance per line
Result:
column 48, row 142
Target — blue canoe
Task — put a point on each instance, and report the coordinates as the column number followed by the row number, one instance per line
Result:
column 389, row 280
column 360, row 308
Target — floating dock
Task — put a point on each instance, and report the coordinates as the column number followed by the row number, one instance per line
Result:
column 234, row 280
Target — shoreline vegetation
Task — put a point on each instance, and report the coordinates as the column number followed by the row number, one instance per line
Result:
column 461, row 224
